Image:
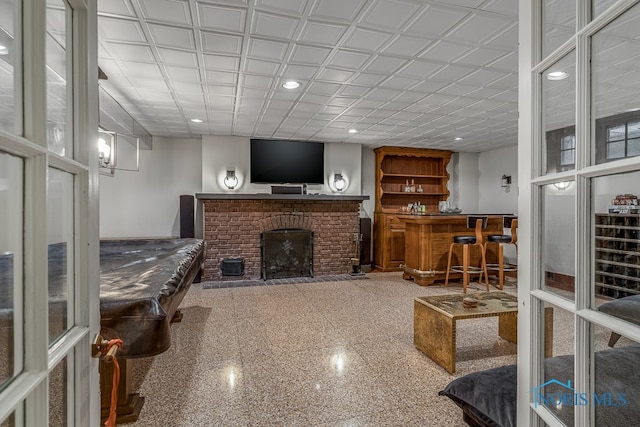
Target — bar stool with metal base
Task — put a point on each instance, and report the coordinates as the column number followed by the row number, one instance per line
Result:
column 478, row 223
column 504, row 239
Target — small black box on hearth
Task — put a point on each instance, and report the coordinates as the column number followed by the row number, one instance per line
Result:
column 232, row 267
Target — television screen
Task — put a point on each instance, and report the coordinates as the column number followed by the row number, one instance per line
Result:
column 286, row 162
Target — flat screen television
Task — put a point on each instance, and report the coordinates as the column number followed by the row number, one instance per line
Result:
column 286, row 162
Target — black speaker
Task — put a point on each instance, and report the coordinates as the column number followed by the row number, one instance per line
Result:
column 187, row 221
column 286, row 189
column 365, row 242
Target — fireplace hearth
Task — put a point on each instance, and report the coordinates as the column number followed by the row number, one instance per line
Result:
column 233, row 223
column 286, row 253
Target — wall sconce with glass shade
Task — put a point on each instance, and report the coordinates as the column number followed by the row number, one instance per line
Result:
column 231, row 180
column 339, row 182
column 505, row 182
column 562, row 185
column 106, row 151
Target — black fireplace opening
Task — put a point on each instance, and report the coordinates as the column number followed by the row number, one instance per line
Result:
column 286, row 253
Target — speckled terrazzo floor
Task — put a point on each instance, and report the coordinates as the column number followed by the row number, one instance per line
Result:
column 311, row 354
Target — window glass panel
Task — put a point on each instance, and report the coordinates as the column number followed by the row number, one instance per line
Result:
column 559, row 113
column 614, row 77
column 633, row 147
column 569, row 142
column 616, row 380
column 60, row 239
column 558, row 23
column 615, row 150
column 615, row 133
column 567, row 157
column 617, row 239
column 58, row 119
column 11, row 212
column 8, row 45
column 559, row 221
column 58, row 394
column 558, row 372
column 633, row 130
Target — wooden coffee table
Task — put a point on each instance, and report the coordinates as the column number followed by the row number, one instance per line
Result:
column 434, row 322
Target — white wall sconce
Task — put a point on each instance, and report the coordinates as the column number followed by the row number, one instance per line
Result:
column 562, row 185
column 231, row 180
column 107, row 149
column 339, row 182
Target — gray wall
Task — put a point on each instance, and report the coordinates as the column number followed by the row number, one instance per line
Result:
column 146, row 203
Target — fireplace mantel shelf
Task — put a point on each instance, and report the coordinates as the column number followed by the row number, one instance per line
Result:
column 303, row 197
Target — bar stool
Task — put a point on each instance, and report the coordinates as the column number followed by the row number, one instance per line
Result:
column 478, row 223
column 508, row 221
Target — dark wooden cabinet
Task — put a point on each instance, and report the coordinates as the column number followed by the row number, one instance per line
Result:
column 424, row 170
column 617, row 255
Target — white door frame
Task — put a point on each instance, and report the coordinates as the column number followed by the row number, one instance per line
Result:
column 27, row 394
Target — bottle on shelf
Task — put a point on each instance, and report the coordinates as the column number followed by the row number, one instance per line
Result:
column 406, row 187
column 413, row 186
column 419, row 189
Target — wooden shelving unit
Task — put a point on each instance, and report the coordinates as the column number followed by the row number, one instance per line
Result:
column 617, row 255
column 394, row 167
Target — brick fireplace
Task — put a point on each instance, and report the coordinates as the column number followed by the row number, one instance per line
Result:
column 233, row 224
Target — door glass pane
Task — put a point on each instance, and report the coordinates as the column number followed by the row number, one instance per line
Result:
column 616, row 243
column 559, row 222
column 58, row 394
column 8, row 45
column 11, row 202
column 60, row 239
column 614, row 87
column 558, row 374
column 58, row 100
column 558, row 23
column 559, row 115
column 616, row 380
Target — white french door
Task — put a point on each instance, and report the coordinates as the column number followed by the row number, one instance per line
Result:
column 579, row 165
column 49, row 246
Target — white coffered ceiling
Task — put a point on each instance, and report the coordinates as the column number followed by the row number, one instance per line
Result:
column 400, row 72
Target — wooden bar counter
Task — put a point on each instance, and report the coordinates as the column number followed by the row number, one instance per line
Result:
column 427, row 240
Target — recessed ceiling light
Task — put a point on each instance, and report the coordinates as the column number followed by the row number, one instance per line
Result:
column 291, row 84
column 3, row 50
column 196, row 120
column 557, row 75
column 353, row 131
column 457, row 139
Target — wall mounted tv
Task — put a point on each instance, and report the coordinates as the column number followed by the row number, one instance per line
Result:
column 286, row 162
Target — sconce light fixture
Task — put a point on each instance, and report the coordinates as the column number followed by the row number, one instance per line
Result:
column 339, row 182
column 562, row 185
column 231, row 180
column 106, row 148
column 506, row 181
